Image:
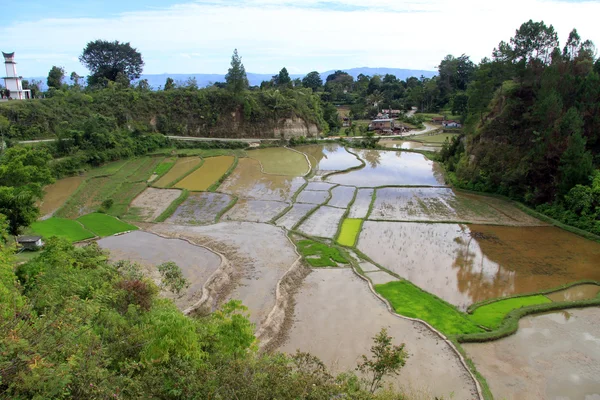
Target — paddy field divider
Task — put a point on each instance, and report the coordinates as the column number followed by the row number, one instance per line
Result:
column 229, row 206
column 173, row 206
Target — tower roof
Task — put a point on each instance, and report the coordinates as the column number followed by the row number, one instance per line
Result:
column 9, row 56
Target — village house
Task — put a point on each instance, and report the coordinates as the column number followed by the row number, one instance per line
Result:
column 437, row 120
column 30, row 242
column 451, row 124
column 346, row 122
column 392, row 113
column 382, row 124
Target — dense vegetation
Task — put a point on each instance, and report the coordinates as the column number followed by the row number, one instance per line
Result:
column 75, row 326
column 533, row 126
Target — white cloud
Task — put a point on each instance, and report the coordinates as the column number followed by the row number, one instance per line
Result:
column 198, row 37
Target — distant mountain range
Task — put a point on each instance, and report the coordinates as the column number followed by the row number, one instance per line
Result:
column 203, row 80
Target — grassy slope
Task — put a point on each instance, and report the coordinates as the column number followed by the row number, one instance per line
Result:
column 104, row 225
column 410, row 301
column 491, row 315
column 61, row 227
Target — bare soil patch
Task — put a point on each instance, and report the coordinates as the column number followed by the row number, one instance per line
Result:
column 152, row 202
column 57, row 193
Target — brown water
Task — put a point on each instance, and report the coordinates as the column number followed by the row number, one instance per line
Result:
column 181, row 167
column 341, row 196
column 552, row 356
column 247, row 181
column 443, row 204
column 466, row 264
column 329, row 157
column 324, row 222
column 335, row 318
column 390, row 168
column 255, row 210
column 196, row 263
column 294, row 215
column 281, row 161
column 204, row 177
column 200, row 209
column 57, row 193
column 579, row 292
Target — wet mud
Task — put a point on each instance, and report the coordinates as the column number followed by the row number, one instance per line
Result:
column 323, row 223
column 574, row 293
column 152, row 202
column 312, row 197
column 200, row 209
column 254, row 211
column 294, row 215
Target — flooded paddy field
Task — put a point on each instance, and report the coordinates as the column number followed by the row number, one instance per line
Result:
column 281, row 161
column 255, row 210
column 443, row 204
column 312, row 197
column 294, row 215
column 181, row 167
column 248, row 182
column 335, row 318
column 361, row 204
column 200, row 209
column 341, row 196
column 204, row 177
column 465, row 264
column 390, row 168
column 152, row 202
column 260, row 255
column 551, row 356
column 329, row 158
column 323, row 222
column 409, row 145
column 57, row 193
column 149, row 250
column 574, row 293
column 319, row 186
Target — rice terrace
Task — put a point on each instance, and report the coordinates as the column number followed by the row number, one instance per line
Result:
column 326, row 244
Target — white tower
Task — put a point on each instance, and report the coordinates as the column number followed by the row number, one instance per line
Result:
column 12, row 81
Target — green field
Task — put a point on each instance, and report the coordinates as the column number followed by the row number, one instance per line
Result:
column 320, row 255
column 63, row 228
column 491, row 315
column 438, row 139
column 104, row 225
column 410, row 301
column 107, row 169
column 349, row 232
column 164, row 166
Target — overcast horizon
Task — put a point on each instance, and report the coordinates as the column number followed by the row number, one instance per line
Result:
column 198, row 37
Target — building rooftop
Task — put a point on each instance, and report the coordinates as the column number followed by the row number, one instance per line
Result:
column 28, row 239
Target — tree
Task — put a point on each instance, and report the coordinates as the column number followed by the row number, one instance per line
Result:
column 313, row 80
column 33, row 86
column 18, row 204
column 172, row 278
column 236, row 78
column 108, row 61
column 25, row 166
column 56, row 77
column 575, row 163
column 283, row 79
column 387, row 359
column 169, row 84
column 75, row 78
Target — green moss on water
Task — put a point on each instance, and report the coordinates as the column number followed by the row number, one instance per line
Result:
column 320, row 255
column 491, row 315
column 349, row 232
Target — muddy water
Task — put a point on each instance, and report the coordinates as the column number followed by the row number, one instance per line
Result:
column 579, row 292
column 336, row 317
column 361, row 204
column 281, row 161
column 196, row 263
column 465, row 264
column 247, row 181
column 443, row 204
column 552, row 356
column 294, row 215
column 152, row 202
column 205, row 176
column 312, row 197
column 329, row 157
column 409, row 145
column 181, row 167
column 324, row 222
column 200, row 209
column 390, row 168
column 341, row 196
column 56, row 194
column 255, row 210
column 260, row 253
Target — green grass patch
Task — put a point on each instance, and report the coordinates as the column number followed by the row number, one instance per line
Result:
column 145, row 170
column 124, row 196
column 349, row 232
column 68, row 229
column 107, row 169
column 163, row 167
column 104, row 225
column 491, row 315
column 320, row 255
column 410, row 301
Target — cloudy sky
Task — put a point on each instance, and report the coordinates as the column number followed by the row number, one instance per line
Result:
column 186, row 36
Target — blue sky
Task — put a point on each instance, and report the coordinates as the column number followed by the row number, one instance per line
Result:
column 188, row 36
